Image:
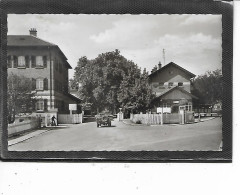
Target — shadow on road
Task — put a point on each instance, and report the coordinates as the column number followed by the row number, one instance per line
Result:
column 107, row 126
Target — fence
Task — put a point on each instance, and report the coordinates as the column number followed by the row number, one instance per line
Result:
column 69, row 118
column 189, row 117
column 26, row 124
column 146, row 119
column 171, row 118
column 168, row 118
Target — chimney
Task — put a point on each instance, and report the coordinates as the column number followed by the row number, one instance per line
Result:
column 33, row 32
column 159, row 65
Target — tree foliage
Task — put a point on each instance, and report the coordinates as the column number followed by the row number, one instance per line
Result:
column 208, row 87
column 20, row 98
column 111, row 81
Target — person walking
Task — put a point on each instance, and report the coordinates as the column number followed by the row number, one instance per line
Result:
column 53, row 121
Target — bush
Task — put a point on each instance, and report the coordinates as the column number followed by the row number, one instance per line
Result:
column 138, row 122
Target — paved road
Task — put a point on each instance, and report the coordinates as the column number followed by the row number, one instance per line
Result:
column 121, row 137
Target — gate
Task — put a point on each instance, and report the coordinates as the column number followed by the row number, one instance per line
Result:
column 69, row 118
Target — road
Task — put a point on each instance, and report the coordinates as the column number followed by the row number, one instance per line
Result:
column 203, row 136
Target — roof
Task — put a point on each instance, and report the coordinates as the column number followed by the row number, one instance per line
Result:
column 175, row 65
column 26, row 40
column 174, row 88
column 30, row 40
column 74, row 98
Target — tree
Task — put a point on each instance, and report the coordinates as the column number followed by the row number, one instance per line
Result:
column 208, row 87
column 136, row 94
column 20, row 96
column 107, row 81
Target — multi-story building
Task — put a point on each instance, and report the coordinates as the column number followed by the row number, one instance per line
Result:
column 172, row 86
column 47, row 66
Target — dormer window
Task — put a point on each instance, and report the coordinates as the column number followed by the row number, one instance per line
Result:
column 170, row 84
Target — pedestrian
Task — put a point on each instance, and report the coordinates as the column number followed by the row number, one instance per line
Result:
column 53, row 121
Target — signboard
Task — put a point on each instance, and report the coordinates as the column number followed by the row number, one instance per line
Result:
column 176, row 102
column 165, row 110
column 72, row 106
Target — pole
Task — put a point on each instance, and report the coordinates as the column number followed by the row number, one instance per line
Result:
column 50, row 57
column 162, row 113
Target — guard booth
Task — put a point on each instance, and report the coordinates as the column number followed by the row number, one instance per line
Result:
column 186, row 114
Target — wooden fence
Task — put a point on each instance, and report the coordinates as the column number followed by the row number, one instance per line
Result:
column 155, row 119
column 69, row 119
column 146, row 119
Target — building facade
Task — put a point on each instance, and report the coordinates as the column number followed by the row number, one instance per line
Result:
column 47, row 66
column 172, row 86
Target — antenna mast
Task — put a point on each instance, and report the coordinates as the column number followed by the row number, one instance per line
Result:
column 163, row 51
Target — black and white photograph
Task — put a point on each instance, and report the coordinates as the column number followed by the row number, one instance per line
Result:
column 116, row 82
column 119, row 97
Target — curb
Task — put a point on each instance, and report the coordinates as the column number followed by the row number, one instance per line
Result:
column 27, row 138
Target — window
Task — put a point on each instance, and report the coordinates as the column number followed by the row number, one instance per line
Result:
column 39, row 84
column 170, row 84
column 39, row 61
column 21, row 61
column 180, row 84
column 40, row 105
column 165, row 105
column 161, row 85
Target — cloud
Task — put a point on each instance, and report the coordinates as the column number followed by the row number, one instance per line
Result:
column 197, row 52
column 133, row 31
column 192, row 41
column 196, row 19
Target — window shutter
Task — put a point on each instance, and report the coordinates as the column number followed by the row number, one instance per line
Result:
column 33, row 84
column 27, row 61
column 15, row 62
column 33, row 59
column 45, row 61
column 45, row 87
column 45, row 105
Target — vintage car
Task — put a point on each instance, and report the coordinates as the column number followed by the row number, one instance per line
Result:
column 104, row 119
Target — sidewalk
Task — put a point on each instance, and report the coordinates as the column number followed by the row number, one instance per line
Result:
column 34, row 133
column 26, row 137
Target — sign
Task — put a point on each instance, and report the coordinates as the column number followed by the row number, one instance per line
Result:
column 72, row 106
column 176, row 102
column 165, row 110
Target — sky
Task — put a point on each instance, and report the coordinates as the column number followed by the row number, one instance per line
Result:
column 192, row 41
